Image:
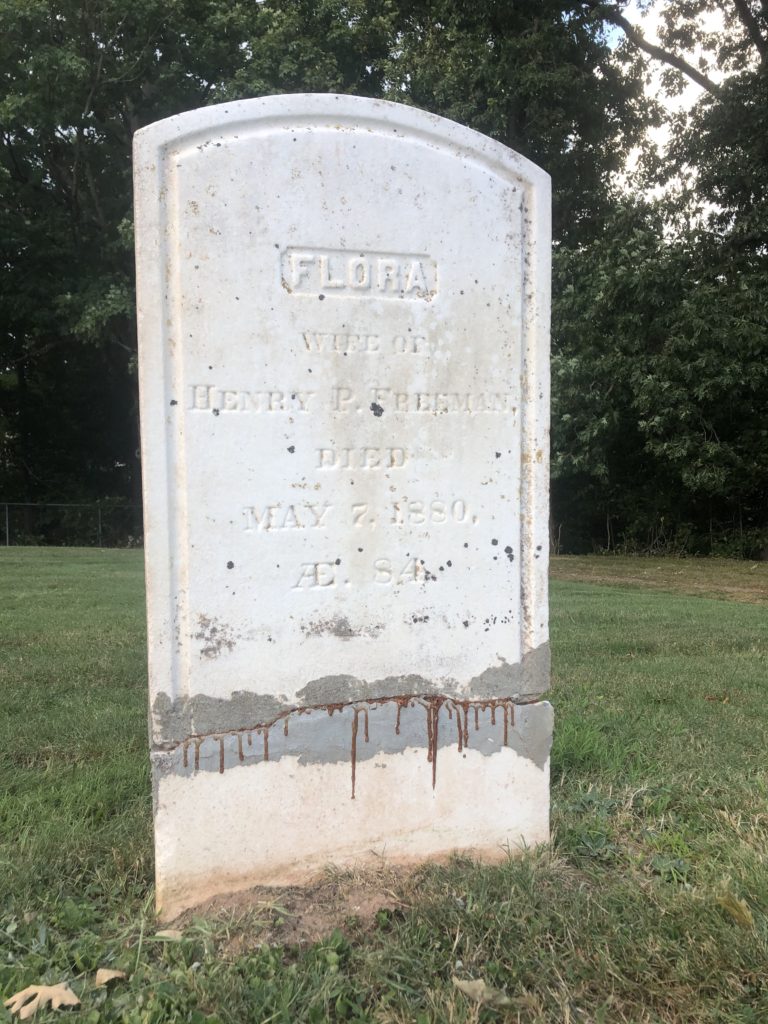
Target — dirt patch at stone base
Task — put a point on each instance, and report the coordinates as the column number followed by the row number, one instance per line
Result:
column 300, row 915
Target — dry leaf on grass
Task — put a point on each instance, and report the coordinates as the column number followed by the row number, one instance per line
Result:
column 30, row 1000
column 173, row 934
column 104, row 975
column 482, row 993
column 737, row 909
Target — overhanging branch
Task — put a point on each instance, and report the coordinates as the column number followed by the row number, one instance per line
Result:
column 753, row 28
column 658, row 52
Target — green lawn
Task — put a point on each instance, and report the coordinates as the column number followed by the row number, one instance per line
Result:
column 650, row 905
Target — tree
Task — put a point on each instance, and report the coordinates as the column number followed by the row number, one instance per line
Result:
column 537, row 75
column 660, row 373
column 80, row 77
column 660, row 356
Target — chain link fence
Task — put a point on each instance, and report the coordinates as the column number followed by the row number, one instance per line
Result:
column 71, row 525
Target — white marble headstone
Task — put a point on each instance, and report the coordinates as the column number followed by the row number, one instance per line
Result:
column 343, row 323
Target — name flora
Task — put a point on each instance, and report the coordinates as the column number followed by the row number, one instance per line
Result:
column 388, row 275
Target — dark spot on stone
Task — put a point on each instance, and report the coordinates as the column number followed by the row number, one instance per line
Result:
column 465, row 623
column 441, row 568
column 338, row 561
column 215, row 412
column 230, row 565
column 360, row 550
column 321, row 297
column 291, row 448
column 449, row 563
column 509, row 553
column 498, row 455
column 465, row 544
column 495, row 558
column 174, row 402
column 376, row 409
column 494, row 542
column 538, row 547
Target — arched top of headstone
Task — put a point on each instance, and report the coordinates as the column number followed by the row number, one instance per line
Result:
column 231, row 122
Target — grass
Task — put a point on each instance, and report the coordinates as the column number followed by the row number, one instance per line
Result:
column 650, row 905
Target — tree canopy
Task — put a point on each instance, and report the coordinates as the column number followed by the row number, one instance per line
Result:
column 660, row 320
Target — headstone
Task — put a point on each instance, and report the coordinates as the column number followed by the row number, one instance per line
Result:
column 343, row 322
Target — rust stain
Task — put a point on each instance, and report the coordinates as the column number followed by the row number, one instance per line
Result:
column 356, row 712
column 263, row 731
column 432, row 704
column 354, row 750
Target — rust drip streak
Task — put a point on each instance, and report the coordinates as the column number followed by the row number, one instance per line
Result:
column 406, row 701
column 354, row 748
column 429, row 733
column 431, row 704
column 436, row 715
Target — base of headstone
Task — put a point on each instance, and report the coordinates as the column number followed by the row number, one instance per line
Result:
column 403, row 779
